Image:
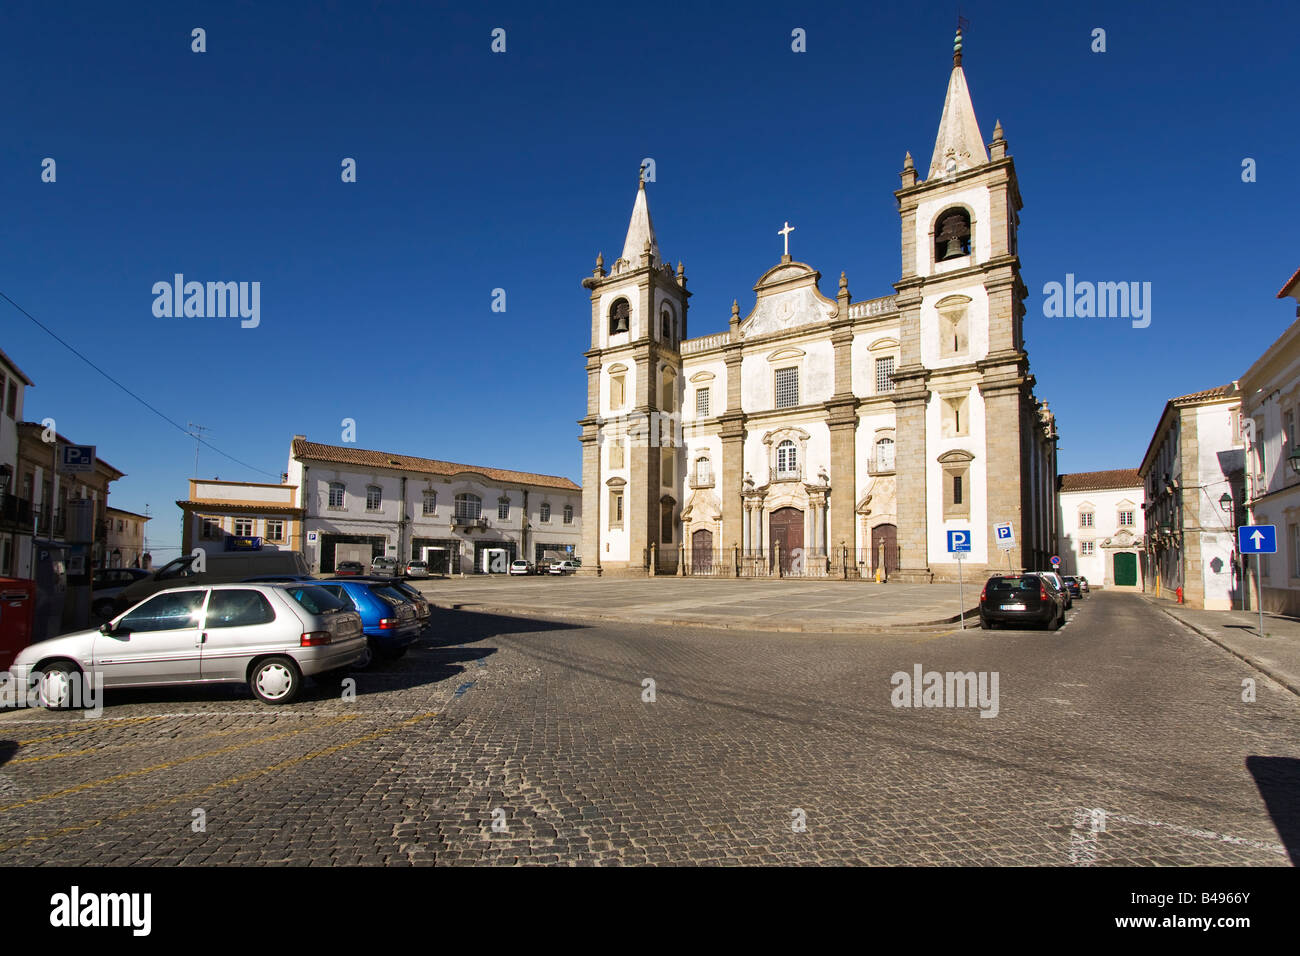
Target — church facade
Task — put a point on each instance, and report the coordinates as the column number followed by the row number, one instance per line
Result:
column 824, row 436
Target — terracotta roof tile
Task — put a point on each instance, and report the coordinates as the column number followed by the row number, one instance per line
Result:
column 1100, row 480
column 1219, row 391
column 314, row 451
column 1290, row 284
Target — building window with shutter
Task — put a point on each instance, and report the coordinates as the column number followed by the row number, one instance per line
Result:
column 786, row 382
column 274, row 529
column 701, row 403
column 374, row 497
column 568, row 514
column 885, row 374
column 430, row 502
column 336, row 494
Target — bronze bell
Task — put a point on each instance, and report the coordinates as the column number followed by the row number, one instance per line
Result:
column 954, row 249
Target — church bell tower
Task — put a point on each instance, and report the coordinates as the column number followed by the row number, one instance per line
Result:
column 633, row 465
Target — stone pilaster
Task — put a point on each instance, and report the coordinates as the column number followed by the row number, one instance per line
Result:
column 1189, row 450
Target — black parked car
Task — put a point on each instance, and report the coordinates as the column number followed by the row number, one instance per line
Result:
column 1021, row 600
column 1073, row 586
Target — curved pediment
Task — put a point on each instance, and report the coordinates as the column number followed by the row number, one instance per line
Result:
column 885, row 342
column 702, row 377
column 955, row 457
column 786, row 355
column 788, row 297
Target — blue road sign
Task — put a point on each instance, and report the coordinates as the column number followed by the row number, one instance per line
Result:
column 1056, row 560
column 1257, row 539
column 77, row 459
column 958, row 542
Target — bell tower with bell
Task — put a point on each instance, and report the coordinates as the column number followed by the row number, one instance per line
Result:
column 963, row 393
column 633, row 465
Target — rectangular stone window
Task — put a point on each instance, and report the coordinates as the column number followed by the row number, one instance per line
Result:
column 430, row 502
column 616, row 454
column 956, row 491
column 1085, row 519
column 1126, row 519
column 503, row 510
column 617, row 391
column 616, row 509
column 885, row 374
column 374, row 497
column 953, row 337
column 701, row 403
column 786, row 384
column 955, row 419
column 1087, row 548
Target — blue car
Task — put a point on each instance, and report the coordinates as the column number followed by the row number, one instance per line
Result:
column 389, row 620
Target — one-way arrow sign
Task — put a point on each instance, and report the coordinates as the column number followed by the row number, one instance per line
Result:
column 1257, row 539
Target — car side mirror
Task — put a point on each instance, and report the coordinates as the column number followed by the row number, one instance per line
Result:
column 106, row 629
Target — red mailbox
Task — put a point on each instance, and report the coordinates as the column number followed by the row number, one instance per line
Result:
column 17, row 608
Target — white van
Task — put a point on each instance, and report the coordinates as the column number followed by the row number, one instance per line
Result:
column 226, row 568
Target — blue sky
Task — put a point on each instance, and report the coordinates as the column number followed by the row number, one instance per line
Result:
column 479, row 171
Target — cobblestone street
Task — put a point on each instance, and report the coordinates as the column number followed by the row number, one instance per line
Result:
column 1120, row 739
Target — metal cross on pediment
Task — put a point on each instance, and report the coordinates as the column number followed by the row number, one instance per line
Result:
column 785, row 233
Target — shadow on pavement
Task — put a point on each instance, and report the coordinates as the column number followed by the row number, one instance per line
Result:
column 452, row 628
column 1278, row 779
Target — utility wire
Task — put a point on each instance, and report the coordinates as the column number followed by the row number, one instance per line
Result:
column 179, row 427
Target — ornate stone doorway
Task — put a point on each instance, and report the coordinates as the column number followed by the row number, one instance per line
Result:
column 785, row 527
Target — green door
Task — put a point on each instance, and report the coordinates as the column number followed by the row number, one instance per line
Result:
column 1126, row 569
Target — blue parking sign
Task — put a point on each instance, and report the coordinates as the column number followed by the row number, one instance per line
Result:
column 1257, row 539
column 958, row 542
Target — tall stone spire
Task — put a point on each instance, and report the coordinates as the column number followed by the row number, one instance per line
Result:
column 959, row 144
column 641, row 230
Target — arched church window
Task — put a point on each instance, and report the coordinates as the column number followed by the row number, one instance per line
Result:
column 885, row 455
column 666, row 324
column 619, row 314
column 787, row 458
column 952, row 234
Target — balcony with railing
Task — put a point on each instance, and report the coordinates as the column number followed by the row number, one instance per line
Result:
column 16, row 514
column 469, row 522
column 50, row 524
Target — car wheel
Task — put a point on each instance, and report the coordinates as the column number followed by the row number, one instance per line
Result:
column 366, row 659
column 985, row 625
column 1060, row 621
column 276, row 680
column 54, row 692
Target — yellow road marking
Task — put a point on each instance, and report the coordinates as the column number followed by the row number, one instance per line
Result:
column 221, row 784
column 166, row 765
column 73, row 733
column 135, row 745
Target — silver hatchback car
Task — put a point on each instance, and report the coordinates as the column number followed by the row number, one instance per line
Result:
column 268, row 636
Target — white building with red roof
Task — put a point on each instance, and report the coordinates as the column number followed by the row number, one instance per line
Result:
column 358, row 504
column 1102, row 527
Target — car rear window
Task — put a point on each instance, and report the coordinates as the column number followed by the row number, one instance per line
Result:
column 1023, row 583
column 315, row 600
column 384, row 590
